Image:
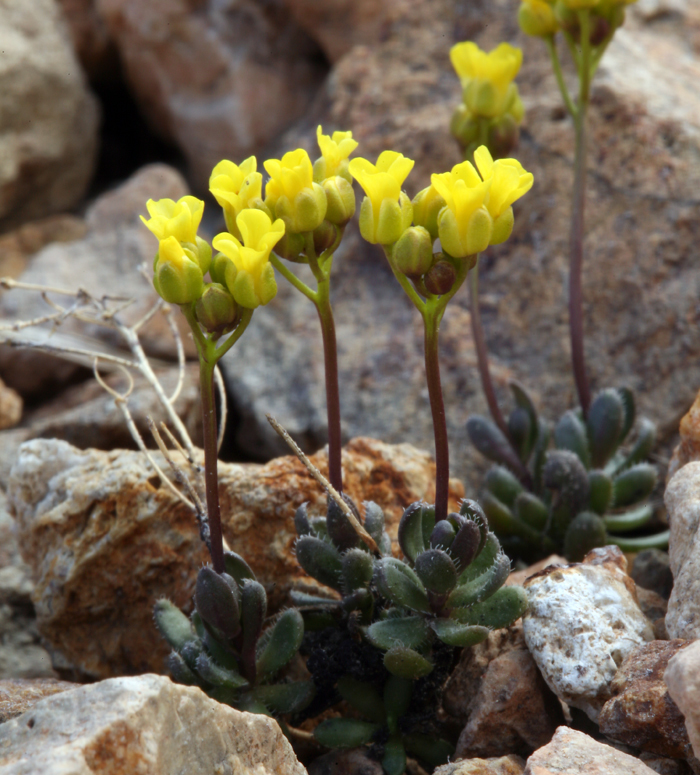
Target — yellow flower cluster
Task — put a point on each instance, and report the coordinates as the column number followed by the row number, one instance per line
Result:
column 467, row 209
column 491, row 109
column 300, row 198
column 544, row 18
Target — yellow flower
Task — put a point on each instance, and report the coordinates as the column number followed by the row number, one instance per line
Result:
column 175, row 219
column 335, row 151
column 536, row 17
column 248, row 273
column 426, row 208
column 509, row 181
column 292, row 194
column 235, row 187
column 486, row 77
column 464, row 224
column 386, row 212
column 177, row 275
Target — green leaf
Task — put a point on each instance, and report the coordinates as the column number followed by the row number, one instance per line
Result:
column 172, row 624
column 406, row 663
column 627, row 399
column 531, row 511
column 363, row 697
column 285, row 698
column 503, row 485
column 483, row 586
column 523, row 401
column 281, row 644
column 357, row 569
column 320, row 559
column 179, row 671
column 520, row 432
column 570, row 433
column 400, row 584
column 483, row 561
column 634, row 484
column 345, row 732
column 629, row 520
column 586, row 532
column 500, row 610
column 436, row 570
column 643, row 445
column 454, row 633
column 394, row 760
column 430, row 750
column 218, row 675
column 600, row 488
column 656, row 541
column 488, row 438
column 411, row 631
column 340, row 529
column 605, row 422
column 410, row 534
column 237, row 567
column 397, row 698
column 216, row 603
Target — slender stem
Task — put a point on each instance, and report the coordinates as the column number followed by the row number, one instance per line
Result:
column 211, row 478
column 558, row 74
column 330, row 358
column 482, row 353
column 437, row 407
column 291, row 277
column 209, row 355
column 577, row 222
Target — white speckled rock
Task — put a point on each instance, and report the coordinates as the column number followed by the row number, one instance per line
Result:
column 582, row 622
column 682, row 677
column 574, row 753
column 143, row 725
column 682, row 499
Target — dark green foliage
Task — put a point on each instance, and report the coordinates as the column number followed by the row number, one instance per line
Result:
column 399, row 621
column 223, row 647
column 588, row 491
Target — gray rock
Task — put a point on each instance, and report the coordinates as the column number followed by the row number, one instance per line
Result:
column 582, row 622
column 220, row 81
column 682, row 498
column 145, row 724
column 651, row 569
column 49, row 121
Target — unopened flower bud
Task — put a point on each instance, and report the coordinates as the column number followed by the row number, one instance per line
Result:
column 426, row 207
column 305, row 212
column 536, row 17
column 503, row 136
column 600, row 29
column 178, row 277
column 215, row 309
column 413, row 253
column 290, row 247
column 440, row 278
column 325, row 236
column 341, row 200
column 464, row 126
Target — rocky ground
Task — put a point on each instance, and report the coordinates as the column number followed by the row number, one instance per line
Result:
column 109, row 102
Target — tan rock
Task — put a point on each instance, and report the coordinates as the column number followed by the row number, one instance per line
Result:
column 497, row 693
column 220, row 81
column 105, row 261
column 583, row 620
column 641, row 712
column 142, row 725
column 682, row 678
column 10, row 406
column 18, row 695
column 502, row 765
column 105, row 540
column 682, row 499
column 518, row 577
column 572, row 753
column 91, row 41
column 48, row 130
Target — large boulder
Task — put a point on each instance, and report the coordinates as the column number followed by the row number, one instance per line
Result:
column 49, row 119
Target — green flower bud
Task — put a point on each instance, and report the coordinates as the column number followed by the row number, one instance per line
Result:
column 440, row 278
column 426, row 208
column 178, row 277
column 413, row 253
column 503, row 137
column 325, row 236
column 536, row 17
column 291, row 248
column 341, row 200
column 215, row 309
column 217, row 268
column 464, row 127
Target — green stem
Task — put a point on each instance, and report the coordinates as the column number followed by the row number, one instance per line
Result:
column 209, row 356
column 292, row 278
column 482, row 353
column 577, row 221
column 559, row 75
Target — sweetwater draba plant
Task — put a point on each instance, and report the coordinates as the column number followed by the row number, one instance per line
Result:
column 589, row 491
column 579, row 495
column 447, row 593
